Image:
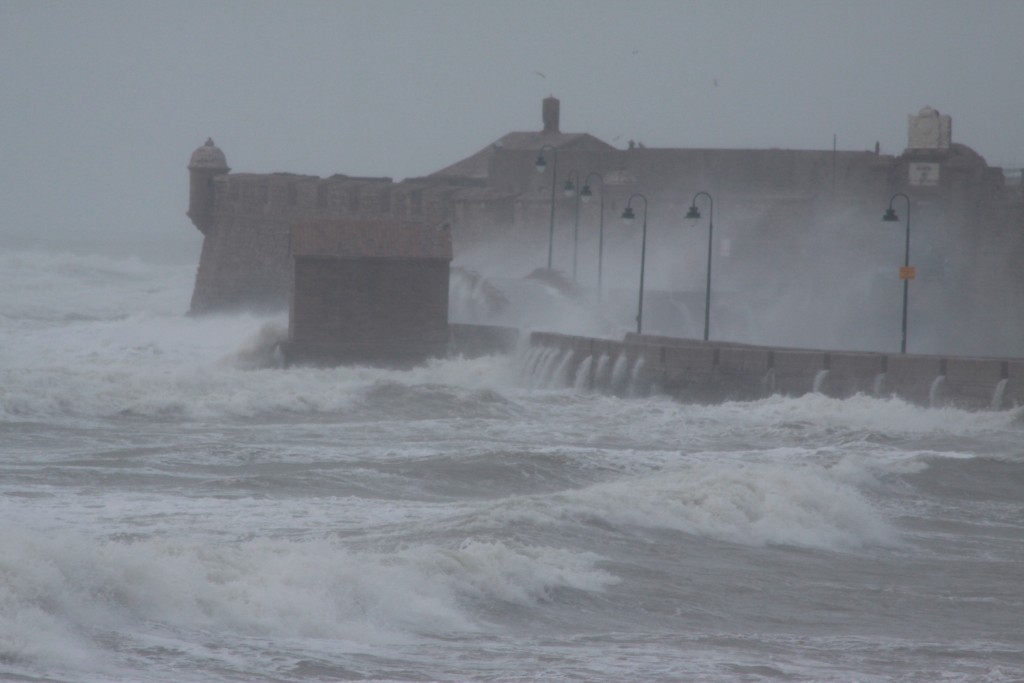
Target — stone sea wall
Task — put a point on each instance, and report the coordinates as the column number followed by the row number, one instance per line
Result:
column 719, row 371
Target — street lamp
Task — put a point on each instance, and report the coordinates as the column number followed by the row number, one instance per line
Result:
column 541, row 165
column 906, row 272
column 570, row 191
column 586, row 195
column 628, row 217
column 693, row 214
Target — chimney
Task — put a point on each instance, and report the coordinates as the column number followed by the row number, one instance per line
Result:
column 549, row 112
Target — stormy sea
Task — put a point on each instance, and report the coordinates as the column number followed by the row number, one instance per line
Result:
column 175, row 508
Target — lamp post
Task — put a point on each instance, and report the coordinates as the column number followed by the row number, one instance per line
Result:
column 628, row 216
column 586, row 195
column 693, row 214
column 906, row 272
column 570, row 191
column 541, row 165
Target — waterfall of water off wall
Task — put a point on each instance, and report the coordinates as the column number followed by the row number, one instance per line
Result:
column 532, row 367
column 560, row 374
column 635, row 375
column 818, row 387
column 620, row 375
column 935, row 392
column 582, row 380
column 603, row 374
column 552, row 368
column 545, row 370
column 999, row 394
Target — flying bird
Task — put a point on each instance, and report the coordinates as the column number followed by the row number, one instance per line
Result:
column 540, row 74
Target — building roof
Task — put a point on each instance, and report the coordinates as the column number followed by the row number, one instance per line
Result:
column 475, row 166
column 370, row 238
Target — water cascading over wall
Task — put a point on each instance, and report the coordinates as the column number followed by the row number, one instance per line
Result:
column 711, row 372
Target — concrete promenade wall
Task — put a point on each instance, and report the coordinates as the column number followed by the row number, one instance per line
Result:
column 716, row 371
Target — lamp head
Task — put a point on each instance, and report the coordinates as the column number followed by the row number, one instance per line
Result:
column 628, row 216
column 569, row 189
column 890, row 215
column 585, row 194
column 693, row 215
column 541, row 164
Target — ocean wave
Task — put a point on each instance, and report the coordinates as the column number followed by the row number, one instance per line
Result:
column 61, row 593
column 799, row 504
column 146, row 364
column 212, row 392
column 61, row 287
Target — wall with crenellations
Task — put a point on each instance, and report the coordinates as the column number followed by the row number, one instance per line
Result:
column 245, row 261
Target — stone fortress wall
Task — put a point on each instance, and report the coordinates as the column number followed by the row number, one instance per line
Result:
column 774, row 206
column 246, row 219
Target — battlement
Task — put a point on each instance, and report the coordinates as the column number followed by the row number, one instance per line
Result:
column 339, row 196
column 247, row 217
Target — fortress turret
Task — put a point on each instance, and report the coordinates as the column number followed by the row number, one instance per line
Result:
column 206, row 163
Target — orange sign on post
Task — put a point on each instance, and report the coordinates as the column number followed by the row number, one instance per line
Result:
column 907, row 272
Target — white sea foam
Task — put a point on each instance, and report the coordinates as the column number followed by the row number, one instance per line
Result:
column 810, row 417
column 886, row 416
column 194, row 368
column 60, row 592
column 804, row 505
column 116, row 341
column 175, row 510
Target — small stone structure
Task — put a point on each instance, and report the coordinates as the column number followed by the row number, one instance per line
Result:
column 368, row 291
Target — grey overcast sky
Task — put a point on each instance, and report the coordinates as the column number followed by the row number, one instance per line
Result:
column 102, row 102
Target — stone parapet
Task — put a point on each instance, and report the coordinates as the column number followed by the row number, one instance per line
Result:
column 914, row 378
column 796, row 372
column 973, row 381
column 711, row 371
column 854, row 373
